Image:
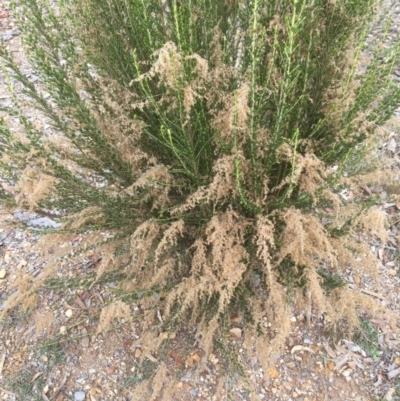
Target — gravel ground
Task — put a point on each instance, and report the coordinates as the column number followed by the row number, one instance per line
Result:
column 55, row 353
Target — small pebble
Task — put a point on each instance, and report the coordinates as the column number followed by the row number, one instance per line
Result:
column 236, row 332
column 8, row 35
column 2, row 273
column 79, row 396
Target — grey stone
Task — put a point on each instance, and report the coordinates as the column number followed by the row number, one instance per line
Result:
column 44, row 222
column 79, row 396
column 8, row 35
column 34, row 220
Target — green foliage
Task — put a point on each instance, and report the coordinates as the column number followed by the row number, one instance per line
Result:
column 14, row 318
column 292, row 55
column 330, row 280
column 367, row 338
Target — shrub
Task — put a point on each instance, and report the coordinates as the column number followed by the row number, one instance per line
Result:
column 205, row 133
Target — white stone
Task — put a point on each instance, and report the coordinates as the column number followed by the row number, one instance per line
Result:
column 79, row 396
column 236, row 332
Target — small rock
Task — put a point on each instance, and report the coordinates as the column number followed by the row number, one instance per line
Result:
column 213, row 359
column 236, row 332
column 3, row 273
column 166, row 335
column 85, row 340
column 392, row 272
column 68, row 313
column 7, row 35
column 79, row 396
column 138, row 352
column 346, row 373
column 193, row 360
column 294, row 394
column 4, row 14
column 293, row 319
column 63, row 329
column 42, row 222
column 272, row 372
